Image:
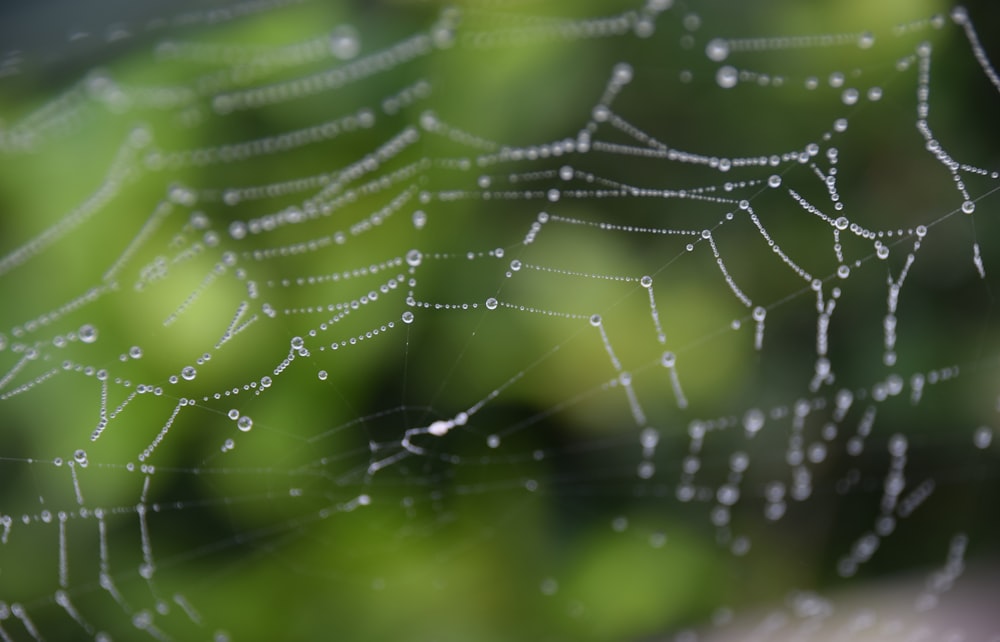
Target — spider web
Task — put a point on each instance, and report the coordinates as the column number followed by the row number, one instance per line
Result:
column 515, row 320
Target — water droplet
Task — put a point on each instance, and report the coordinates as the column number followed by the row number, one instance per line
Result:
column 440, row 427
column 740, row 547
column 753, row 420
column 668, row 359
column 491, row 303
column 646, row 281
column 897, row 445
column 237, row 229
column 727, row 494
column 245, row 423
column 727, row 77
column 968, row 207
column 623, row 72
column 419, row 219
column 720, row 516
column 515, row 265
column 265, row 382
column 774, row 181
column 566, row 172
column 816, row 452
column 644, row 27
column 443, row 36
column 759, row 313
column 233, row 414
column 843, row 271
column 595, row 320
column 407, row 317
column 493, row 441
column 738, row 462
column 882, row 251
column 80, row 456
column 135, row 352
column 414, row 257
column 322, row 375
column 850, row 96
column 717, row 50
column 87, row 333
column 297, row 343
column 345, row 42
column 692, row 21
column 188, row 373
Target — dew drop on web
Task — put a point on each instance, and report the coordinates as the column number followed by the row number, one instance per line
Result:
column 345, row 42
column 727, row 77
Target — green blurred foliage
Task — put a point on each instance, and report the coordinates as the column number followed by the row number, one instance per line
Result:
column 475, row 554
